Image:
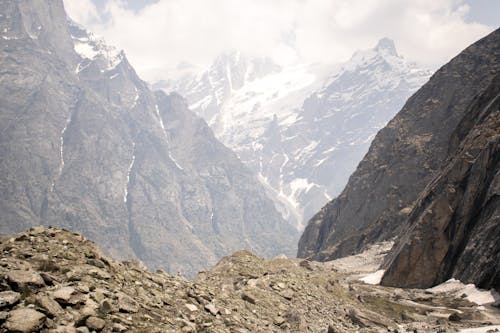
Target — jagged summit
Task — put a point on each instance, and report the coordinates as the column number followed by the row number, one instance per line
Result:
column 386, row 44
column 384, row 54
column 93, row 48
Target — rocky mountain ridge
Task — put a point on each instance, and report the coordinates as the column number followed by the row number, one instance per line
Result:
column 293, row 125
column 454, row 228
column 86, row 145
column 52, row 280
column 417, row 171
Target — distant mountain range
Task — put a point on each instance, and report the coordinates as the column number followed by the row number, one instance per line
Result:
column 87, row 146
column 302, row 129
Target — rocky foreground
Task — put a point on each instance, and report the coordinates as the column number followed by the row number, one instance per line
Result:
column 52, row 280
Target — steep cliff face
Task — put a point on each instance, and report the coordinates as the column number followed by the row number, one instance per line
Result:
column 403, row 158
column 86, row 145
column 454, row 229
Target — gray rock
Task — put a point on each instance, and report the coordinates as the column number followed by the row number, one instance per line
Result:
column 63, row 329
column 8, row 298
column 367, row 318
column 95, row 323
column 51, row 307
column 210, row 307
column 64, row 295
column 249, row 298
column 127, row 304
column 287, row 294
column 24, row 320
column 191, row 307
column 24, row 280
column 278, row 320
column 117, row 327
column 106, row 306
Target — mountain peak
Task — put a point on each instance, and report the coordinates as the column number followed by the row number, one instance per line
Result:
column 386, row 44
column 385, row 50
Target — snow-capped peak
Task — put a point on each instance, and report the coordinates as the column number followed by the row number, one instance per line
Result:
column 383, row 52
column 293, row 125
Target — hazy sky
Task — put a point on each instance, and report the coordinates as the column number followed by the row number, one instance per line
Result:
column 159, row 34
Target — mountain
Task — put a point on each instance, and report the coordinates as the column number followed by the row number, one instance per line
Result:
column 429, row 179
column 454, row 229
column 87, row 146
column 293, row 125
column 57, row 281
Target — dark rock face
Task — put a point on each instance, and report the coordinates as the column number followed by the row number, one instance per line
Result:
column 404, row 157
column 454, row 228
column 87, row 146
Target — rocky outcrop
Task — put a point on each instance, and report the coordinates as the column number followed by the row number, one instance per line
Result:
column 404, row 158
column 454, row 229
column 86, row 145
column 84, row 291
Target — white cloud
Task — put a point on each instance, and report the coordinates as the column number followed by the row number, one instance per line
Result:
column 82, row 11
column 171, row 31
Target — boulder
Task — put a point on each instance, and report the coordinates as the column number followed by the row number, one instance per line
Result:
column 210, row 307
column 51, row 307
column 95, row 323
column 24, row 280
column 24, row 321
column 8, row 298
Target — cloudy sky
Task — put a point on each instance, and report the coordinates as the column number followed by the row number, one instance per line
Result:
column 157, row 35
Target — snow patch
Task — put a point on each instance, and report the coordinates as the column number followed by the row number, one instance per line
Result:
column 299, row 185
column 136, row 98
column 129, row 170
column 373, row 278
column 162, row 125
column 80, row 68
column 85, row 50
column 92, row 47
column 175, row 161
column 61, row 151
column 473, row 294
column 365, row 265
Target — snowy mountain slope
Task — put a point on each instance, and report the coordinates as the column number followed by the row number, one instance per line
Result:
column 301, row 131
